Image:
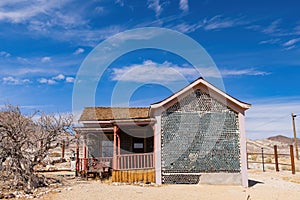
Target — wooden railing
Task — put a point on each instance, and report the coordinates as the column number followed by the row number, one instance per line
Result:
column 135, row 161
column 262, row 156
column 86, row 163
column 123, row 162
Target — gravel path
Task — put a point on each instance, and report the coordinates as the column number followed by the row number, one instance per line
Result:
column 272, row 185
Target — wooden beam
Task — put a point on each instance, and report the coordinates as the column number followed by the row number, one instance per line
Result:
column 276, row 158
column 292, row 159
column 115, row 149
column 84, row 157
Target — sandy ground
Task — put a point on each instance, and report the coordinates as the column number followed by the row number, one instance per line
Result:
column 267, row 185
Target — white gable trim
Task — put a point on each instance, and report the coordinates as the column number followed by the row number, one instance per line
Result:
column 213, row 91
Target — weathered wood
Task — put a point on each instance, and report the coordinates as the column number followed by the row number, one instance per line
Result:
column 115, row 148
column 276, row 158
column 292, row 159
column 131, row 176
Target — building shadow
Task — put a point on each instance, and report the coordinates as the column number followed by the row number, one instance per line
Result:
column 251, row 183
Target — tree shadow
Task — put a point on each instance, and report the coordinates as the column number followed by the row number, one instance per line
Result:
column 251, row 183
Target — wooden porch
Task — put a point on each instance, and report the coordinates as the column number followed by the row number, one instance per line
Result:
column 128, row 167
column 125, row 151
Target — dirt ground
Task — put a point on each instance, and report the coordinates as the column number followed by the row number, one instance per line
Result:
column 267, row 185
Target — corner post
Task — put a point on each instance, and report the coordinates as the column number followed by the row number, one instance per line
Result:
column 157, row 148
column 243, row 152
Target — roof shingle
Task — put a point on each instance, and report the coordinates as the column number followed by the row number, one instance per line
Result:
column 110, row 113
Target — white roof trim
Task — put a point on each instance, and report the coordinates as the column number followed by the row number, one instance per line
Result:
column 95, row 122
column 210, row 86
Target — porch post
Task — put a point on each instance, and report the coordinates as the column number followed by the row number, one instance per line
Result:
column 115, row 148
column 84, row 154
column 77, row 154
column 243, row 152
column 154, row 144
column 119, row 142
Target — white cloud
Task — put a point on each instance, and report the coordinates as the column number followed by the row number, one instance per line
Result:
column 272, row 117
column 291, row 42
column 120, row 2
column 4, row 54
column 239, row 72
column 270, row 41
column 59, row 77
column 23, row 10
column 56, row 79
column 47, row 81
column 15, row 81
column 86, row 37
column 218, row 22
column 150, row 71
column 272, row 28
column 187, row 28
column 79, row 51
column 184, row 5
column 70, row 79
column 154, row 5
column 290, row 47
column 46, row 59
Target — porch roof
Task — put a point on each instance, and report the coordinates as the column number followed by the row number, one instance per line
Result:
column 113, row 113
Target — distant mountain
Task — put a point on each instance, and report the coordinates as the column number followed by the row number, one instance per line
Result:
column 283, row 139
column 282, row 143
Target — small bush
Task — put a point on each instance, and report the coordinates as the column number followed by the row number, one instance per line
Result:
column 269, row 160
column 286, row 168
column 254, row 157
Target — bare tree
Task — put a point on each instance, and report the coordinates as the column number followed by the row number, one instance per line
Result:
column 26, row 141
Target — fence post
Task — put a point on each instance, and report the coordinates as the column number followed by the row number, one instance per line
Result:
column 276, row 158
column 247, row 161
column 262, row 159
column 292, row 159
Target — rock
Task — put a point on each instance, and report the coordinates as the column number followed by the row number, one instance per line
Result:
column 1, row 196
column 57, row 190
column 9, row 196
column 27, row 191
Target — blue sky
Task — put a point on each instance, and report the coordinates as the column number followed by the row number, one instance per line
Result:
column 254, row 44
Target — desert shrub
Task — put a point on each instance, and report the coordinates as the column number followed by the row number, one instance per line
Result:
column 269, row 160
column 286, row 168
column 254, row 157
column 26, row 142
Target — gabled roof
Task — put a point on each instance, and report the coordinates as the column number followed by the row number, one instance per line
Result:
column 200, row 83
column 113, row 113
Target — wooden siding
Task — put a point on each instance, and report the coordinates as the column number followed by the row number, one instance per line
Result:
column 134, row 176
